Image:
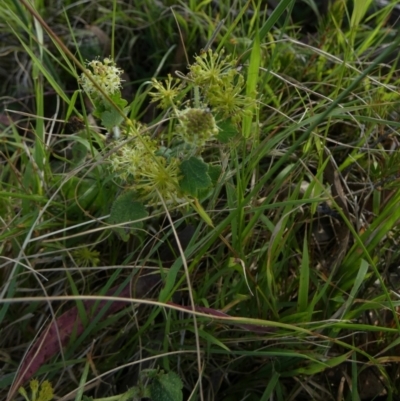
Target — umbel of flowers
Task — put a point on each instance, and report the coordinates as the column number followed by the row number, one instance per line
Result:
column 101, row 77
column 43, row 392
column 211, row 92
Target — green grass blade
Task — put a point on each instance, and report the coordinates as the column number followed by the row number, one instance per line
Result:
column 304, row 278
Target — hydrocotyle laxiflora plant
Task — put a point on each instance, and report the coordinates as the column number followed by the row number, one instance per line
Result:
column 203, row 107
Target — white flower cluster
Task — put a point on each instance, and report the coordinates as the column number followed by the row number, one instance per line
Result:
column 105, row 74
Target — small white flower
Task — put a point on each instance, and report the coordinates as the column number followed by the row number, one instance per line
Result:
column 105, row 74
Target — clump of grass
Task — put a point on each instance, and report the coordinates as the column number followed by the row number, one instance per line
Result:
column 262, row 194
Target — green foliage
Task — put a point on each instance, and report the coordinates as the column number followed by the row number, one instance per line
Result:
column 154, row 171
column 126, row 209
column 84, row 194
column 195, row 176
column 166, row 387
column 162, row 387
column 215, row 81
column 228, row 131
column 257, row 204
column 109, row 113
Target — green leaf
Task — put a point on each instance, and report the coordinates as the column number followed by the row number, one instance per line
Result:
column 251, row 83
column 111, row 118
column 79, row 153
column 166, row 387
column 127, row 209
column 212, row 340
column 195, row 176
column 132, row 394
column 267, row 395
column 82, row 382
column 262, row 33
column 228, row 131
column 110, row 113
column 83, row 194
column 302, row 303
column 319, row 366
column 118, row 100
column 214, row 172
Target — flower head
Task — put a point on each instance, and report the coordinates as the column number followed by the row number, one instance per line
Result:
column 105, row 74
column 86, row 257
column 160, row 179
column 151, row 174
column 212, row 69
column 166, row 92
column 222, row 85
column 42, row 393
column 229, row 102
column 196, row 126
column 134, row 156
